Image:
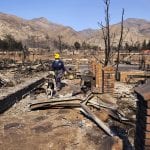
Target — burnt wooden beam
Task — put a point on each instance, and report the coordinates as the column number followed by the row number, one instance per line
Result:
column 99, row 122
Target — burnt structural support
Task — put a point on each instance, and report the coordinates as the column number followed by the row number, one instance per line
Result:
column 142, row 134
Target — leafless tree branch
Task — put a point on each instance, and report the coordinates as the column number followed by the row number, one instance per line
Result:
column 120, row 40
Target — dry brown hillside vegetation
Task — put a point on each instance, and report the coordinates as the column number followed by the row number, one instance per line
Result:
column 40, row 29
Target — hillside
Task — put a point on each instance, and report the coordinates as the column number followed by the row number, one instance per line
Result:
column 135, row 30
column 40, row 29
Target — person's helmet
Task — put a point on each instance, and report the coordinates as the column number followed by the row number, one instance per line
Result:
column 56, row 56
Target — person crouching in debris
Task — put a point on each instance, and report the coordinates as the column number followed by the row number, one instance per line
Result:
column 59, row 70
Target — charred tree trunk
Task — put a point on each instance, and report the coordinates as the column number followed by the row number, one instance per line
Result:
column 107, row 35
column 120, row 42
column 60, row 43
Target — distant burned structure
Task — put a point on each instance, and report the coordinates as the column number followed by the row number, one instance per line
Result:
column 144, row 63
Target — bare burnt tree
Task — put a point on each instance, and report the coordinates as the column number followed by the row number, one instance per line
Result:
column 47, row 41
column 106, row 32
column 109, row 37
column 25, row 54
column 60, row 43
column 120, row 41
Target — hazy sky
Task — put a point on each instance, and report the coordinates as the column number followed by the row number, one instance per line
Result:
column 79, row 14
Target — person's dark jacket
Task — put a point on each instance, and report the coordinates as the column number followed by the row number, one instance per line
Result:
column 58, row 65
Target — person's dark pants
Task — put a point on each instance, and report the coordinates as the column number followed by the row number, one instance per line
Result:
column 58, row 77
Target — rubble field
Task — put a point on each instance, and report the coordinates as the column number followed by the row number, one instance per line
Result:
column 60, row 128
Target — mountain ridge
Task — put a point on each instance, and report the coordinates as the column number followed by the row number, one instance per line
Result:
column 22, row 29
